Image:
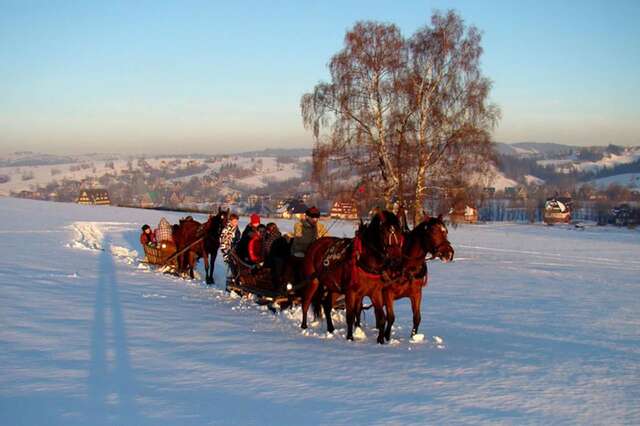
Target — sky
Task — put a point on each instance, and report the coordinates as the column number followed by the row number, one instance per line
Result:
column 171, row 77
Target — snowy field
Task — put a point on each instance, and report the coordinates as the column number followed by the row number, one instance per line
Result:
column 530, row 325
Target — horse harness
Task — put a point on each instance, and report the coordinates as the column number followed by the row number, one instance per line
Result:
column 337, row 252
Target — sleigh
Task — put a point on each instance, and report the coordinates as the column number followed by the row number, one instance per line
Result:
column 162, row 255
column 246, row 279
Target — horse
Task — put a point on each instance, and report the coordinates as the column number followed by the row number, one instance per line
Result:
column 427, row 238
column 212, row 231
column 204, row 241
column 186, row 233
column 355, row 267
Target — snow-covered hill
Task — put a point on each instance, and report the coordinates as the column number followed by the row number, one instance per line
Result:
column 533, row 149
column 573, row 163
column 630, row 180
column 531, row 324
column 258, row 171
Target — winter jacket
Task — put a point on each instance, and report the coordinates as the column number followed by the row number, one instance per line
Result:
column 229, row 238
column 269, row 238
column 148, row 239
column 255, row 249
column 243, row 245
column 305, row 233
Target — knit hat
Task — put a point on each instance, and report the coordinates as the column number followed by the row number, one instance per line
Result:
column 313, row 212
column 255, row 219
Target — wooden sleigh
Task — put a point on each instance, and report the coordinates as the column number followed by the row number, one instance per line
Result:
column 162, row 255
column 247, row 279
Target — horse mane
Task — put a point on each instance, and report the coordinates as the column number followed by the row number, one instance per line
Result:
column 372, row 232
column 214, row 225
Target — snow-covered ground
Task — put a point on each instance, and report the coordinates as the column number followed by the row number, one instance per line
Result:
column 530, row 325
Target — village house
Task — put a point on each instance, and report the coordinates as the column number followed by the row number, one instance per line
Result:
column 291, row 208
column 344, row 210
column 175, row 199
column 463, row 213
column 94, row 196
column 32, row 195
column 557, row 210
column 489, row 191
column 149, row 200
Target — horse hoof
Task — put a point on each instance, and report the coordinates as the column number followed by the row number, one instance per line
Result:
column 303, row 326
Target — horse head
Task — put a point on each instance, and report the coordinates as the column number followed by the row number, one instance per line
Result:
column 384, row 233
column 217, row 222
column 434, row 238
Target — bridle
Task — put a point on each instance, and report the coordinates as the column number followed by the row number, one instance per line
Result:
column 430, row 254
column 393, row 238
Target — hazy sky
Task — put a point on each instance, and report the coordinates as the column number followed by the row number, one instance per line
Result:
column 209, row 76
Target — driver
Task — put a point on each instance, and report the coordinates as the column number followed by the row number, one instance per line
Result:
column 306, row 232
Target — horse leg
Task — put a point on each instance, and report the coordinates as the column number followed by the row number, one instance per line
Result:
column 358, row 316
column 212, row 265
column 378, row 303
column 181, row 264
column 351, row 304
column 416, row 301
column 391, row 316
column 192, row 264
column 309, row 292
column 207, row 277
column 327, row 304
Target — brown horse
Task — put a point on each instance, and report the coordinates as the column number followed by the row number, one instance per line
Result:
column 355, row 267
column 186, row 233
column 429, row 238
column 204, row 241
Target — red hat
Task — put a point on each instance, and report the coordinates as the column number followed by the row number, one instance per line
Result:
column 255, row 219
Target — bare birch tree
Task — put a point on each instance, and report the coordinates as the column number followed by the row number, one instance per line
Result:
column 407, row 113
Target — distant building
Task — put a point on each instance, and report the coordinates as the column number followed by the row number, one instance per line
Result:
column 94, row 197
column 344, row 210
column 175, row 199
column 557, row 210
column 625, row 215
column 489, row 191
column 149, row 200
column 32, row 195
column 515, row 192
column 291, row 208
column 463, row 213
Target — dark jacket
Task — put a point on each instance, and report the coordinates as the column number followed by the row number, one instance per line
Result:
column 242, row 248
